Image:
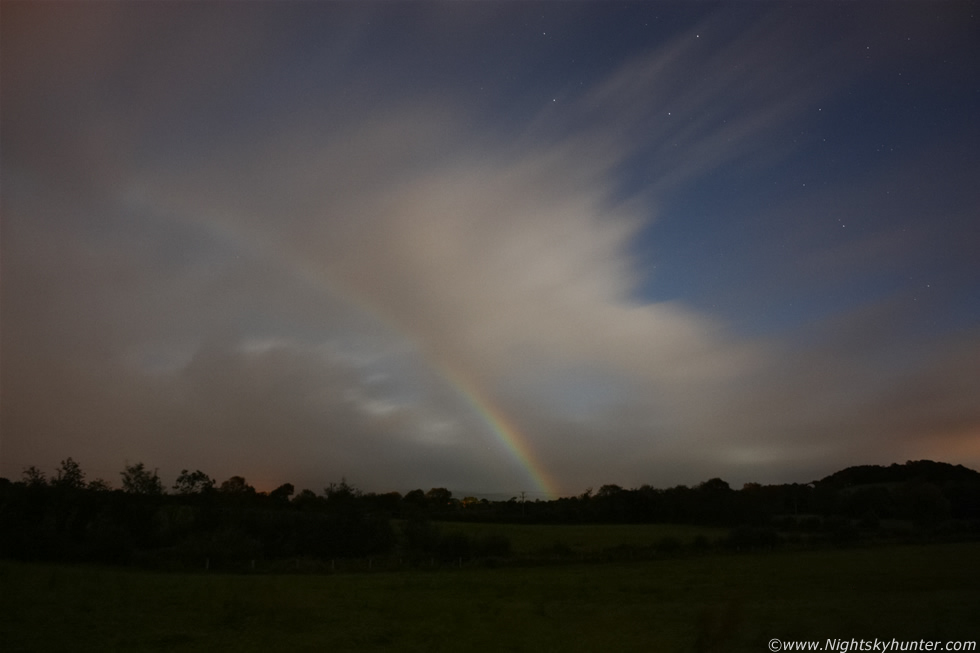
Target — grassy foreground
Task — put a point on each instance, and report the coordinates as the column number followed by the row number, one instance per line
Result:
column 709, row 603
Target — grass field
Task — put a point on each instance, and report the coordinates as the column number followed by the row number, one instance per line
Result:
column 529, row 539
column 702, row 603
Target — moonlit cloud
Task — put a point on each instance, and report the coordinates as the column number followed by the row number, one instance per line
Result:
column 236, row 246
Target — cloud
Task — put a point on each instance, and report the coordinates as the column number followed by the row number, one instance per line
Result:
column 288, row 292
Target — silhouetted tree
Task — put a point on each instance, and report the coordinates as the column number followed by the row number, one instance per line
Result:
column 99, row 485
column 415, row 499
column 388, row 502
column 236, row 485
column 196, row 482
column 34, row 477
column 136, row 479
column 609, row 490
column 340, row 492
column 438, row 497
column 282, row 493
column 715, row 485
column 40, row 519
column 307, row 500
column 69, row 476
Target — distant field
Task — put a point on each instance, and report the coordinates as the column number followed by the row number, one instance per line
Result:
column 582, row 538
column 701, row 603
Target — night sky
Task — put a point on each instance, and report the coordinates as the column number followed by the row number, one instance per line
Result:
column 489, row 246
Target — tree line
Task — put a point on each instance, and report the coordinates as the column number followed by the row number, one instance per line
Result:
column 231, row 525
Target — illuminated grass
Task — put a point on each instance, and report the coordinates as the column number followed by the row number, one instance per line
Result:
column 708, row 603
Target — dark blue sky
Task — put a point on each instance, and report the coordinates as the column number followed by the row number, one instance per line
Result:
column 491, row 246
